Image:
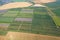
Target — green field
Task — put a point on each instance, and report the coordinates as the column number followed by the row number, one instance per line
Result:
column 54, row 17
column 57, row 12
column 42, row 22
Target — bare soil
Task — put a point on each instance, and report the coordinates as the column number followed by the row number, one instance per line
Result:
column 2, row 38
column 29, row 36
column 15, row 5
column 23, row 4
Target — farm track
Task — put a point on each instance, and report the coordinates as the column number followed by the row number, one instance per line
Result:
column 20, row 26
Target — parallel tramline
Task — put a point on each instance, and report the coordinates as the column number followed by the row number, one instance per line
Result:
column 41, row 23
column 54, row 17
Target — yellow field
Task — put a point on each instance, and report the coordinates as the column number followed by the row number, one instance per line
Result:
column 27, row 36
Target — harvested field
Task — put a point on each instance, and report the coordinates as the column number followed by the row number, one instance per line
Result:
column 29, row 36
column 23, row 19
column 15, row 5
column 3, row 38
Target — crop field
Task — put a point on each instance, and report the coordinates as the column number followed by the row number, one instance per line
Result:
column 13, row 20
column 57, row 14
column 30, row 20
column 55, row 8
column 45, row 24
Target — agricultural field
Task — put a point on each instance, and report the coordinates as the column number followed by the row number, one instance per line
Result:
column 29, row 36
column 54, row 11
column 46, row 25
column 12, row 20
column 29, row 20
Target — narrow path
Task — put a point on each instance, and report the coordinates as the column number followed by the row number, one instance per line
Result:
column 20, row 26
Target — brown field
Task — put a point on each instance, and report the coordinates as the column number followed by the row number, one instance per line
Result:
column 15, row 5
column 29, row 36
column 2, row 38
column 23, row 4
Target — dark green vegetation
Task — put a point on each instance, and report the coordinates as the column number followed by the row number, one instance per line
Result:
column 42, row 23
column 57, row 12
column 54, row 4
column 3, row 32
column 9, row 17
column 55, row 8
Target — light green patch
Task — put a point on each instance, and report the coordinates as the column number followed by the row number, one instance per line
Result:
column 5, row 20
column 27, row 22
column 12, row 11
column 56, row 20
column 25, row 15
column 10, row 14
column 41, row 13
